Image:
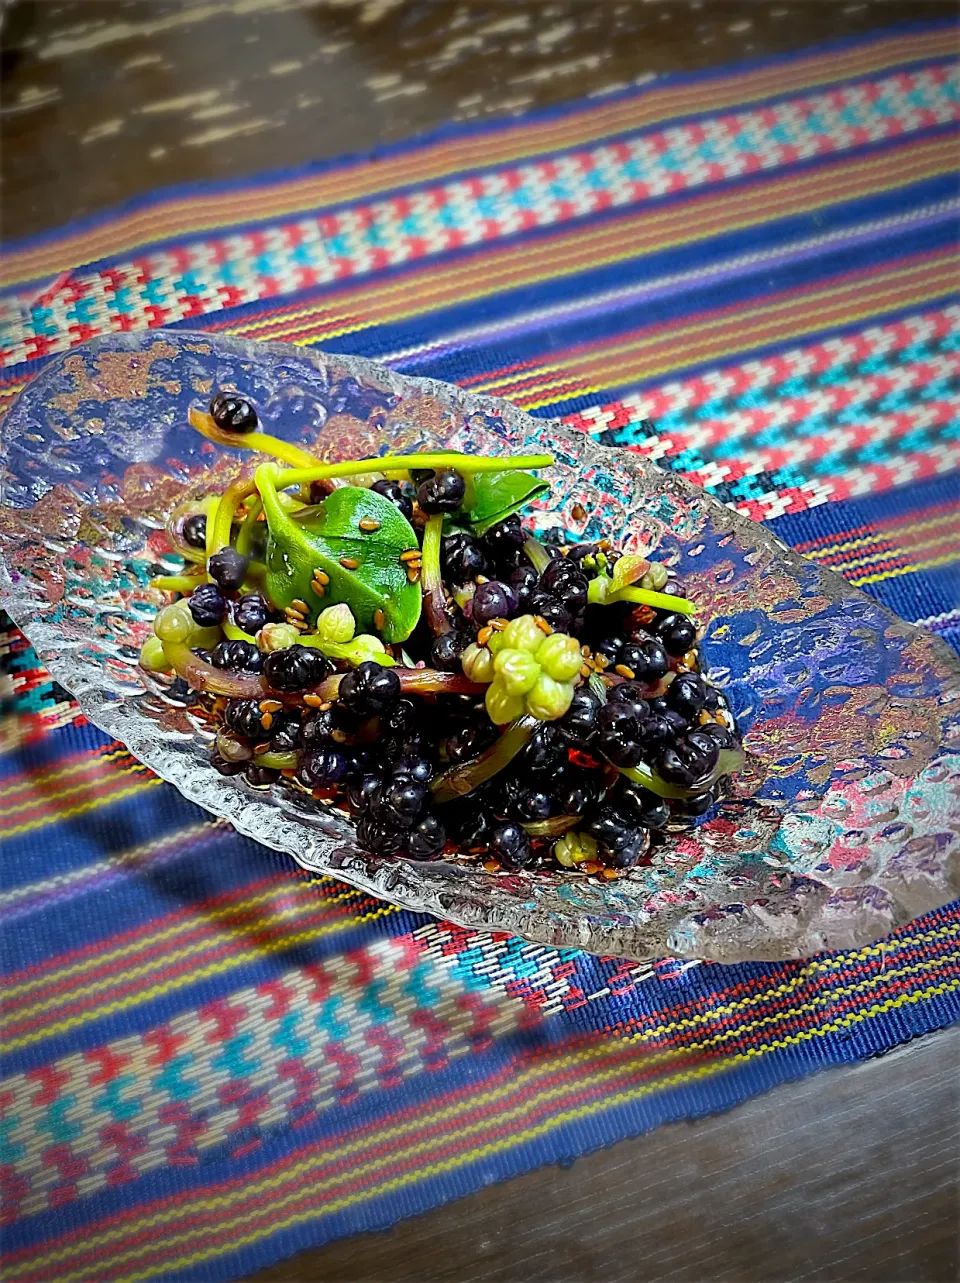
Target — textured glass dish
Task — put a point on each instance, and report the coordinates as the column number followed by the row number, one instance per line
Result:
column 844, row 823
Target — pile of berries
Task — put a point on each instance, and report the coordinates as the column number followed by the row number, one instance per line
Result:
column 542, row 722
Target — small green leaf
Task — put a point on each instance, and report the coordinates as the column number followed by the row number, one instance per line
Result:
column 321, row 536
column 497, row 495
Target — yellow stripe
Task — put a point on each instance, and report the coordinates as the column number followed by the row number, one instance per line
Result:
column 12, row 788
column 225, row 916
column 905, row 570
column 893, row 534
column 262, row 949
column 150, row 782
column 855, row 563
column 525, row 1136
column 43, row 797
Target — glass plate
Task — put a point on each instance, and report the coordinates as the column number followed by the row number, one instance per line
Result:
column 845, row 822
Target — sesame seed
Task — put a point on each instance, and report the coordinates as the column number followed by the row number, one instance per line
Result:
column 585, row 651
column 590, row 867
column 585, row 670
column 321, row 576
column 379, row 619
column 349, row 563
column 262, row 748
column 579, row 512
column 624, row 671
column 498, row 625
column 318, row 589
column 266, row 720
column 480, row 579
column 610, row 874
column 270, row 706
column 368, row 525
column 413, row 574
column 542, row 624
column 484, row 635
column 491, row 866
column 313, row 701
column 299, row 606
column 339, row 736
column 412, row 554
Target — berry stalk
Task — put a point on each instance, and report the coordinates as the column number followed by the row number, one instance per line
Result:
column 466, row 776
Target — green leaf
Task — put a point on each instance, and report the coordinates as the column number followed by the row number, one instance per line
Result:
column 318, row 537
column 497, row 495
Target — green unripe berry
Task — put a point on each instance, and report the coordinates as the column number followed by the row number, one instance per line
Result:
column 523, row 634
column 174, row 623
column 336, row 623
column 574, row 848
column 517, row 670
column 273, row 637
column 152, row 656
column 477, row 663
column 502, row 707
column 559, row 657
column 549, row 699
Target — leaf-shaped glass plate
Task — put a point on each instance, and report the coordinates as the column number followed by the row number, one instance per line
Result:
column 843, row 826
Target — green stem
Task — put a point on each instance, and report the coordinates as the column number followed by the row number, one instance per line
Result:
column 202, row 676
column 466, row 776
column 536, row 554
column 233, row 633
column 262, row 441
column 276, row 760
column 177, row 583
column 245, row 533
column 600, row 592
column 463, row 463
column 431, row 581
column 352, row 652
column 658, row 600
column 730, row 760
column 555, row 827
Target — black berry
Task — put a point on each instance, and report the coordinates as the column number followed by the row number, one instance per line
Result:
column 462, row 558
column 295, row 668
column 685, row 694
column 228, row 569
column 232, row 413
column 566, row 581
column 393, row 491
column 646, row 659
column 677, row 634
column 426, row 839
column 250, row 613
column 493, row 600
column 369, row 689
column 443, row 492
column 321, row 768
column 505, row 542
column 378, row 838
column 207, row 605
column 237, row 654
column 551, row 609
column 445, row 650
column 510, row 845
column 260, row 776
column 580, row 720
column 402, row 802
column 194, row 531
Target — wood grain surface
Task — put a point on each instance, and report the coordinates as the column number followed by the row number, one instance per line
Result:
column 102, row 99
column 850, row 1175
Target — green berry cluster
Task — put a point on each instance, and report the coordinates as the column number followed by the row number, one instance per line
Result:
column 526, row 671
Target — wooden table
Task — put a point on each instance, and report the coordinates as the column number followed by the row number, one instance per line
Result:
column 851, row 1175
